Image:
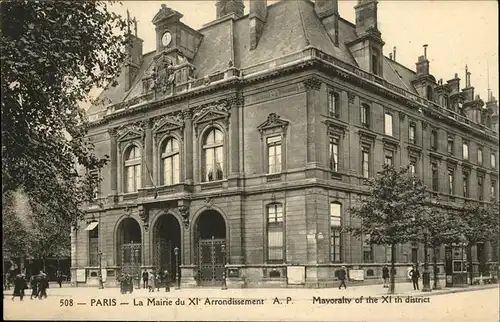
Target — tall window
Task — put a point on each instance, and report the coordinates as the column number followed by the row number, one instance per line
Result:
column 451, row 181
column 429, row 93
column 365, row 162
column 365, row 115
column 388, row 253
column 465, row 150
column 170, row 162
column 333, row 104
column 132, row 169
column 412, row 130
column 334, row 154
column 451, row 143
column 94, row 174
column 413, row 166
column 445, row 101
column 493, row 189
column 335, row 232
column 94, row 247
column 275, row 232
column 493, row 160
column 375, row 66
column 434, row 139
column 213, row 147
column 435, row 177
column 480, row 156
column 274, row 154
column 466, row 184
column 388, row 157
column 388, row 124
column 367, row 249
column 480, row 187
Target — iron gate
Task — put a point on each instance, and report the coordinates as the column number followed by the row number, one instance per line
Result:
column 163, row 254
column 211, row 261
column 131, row 259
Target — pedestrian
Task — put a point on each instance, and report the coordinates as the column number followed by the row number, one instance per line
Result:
column 122, row 283
column 34, row 286
column 151, row 282
column 166, row 277
column 19, row 286
column 130, row 283
column 59, row 278
column 43, row 285
column 145, row 278
column 7, row 280
column 342, row 277
column 415, row 275
column 157, row 281
column 385, row 275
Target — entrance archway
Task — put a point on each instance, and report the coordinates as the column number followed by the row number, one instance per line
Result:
column 166, row 237
column 129, row 252
column 210, row 240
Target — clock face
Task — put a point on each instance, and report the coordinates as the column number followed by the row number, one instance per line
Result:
column 166, row 38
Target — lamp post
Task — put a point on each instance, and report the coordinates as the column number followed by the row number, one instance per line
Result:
column 463, row 243
column 137, row 270
column 223, row 249
column 177, row 277
column 426, row 275
column 101, row 284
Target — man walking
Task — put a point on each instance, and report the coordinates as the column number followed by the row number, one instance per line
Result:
column 19, row 286
column 145, row 278
column 34, row 286
column 415, row 275
column 342, row 276
column 385, row 275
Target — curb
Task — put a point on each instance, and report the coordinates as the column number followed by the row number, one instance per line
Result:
column 444, row 291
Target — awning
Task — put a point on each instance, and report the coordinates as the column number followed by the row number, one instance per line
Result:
column 92, row 225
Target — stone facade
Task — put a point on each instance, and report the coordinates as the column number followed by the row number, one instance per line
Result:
column 287, row 98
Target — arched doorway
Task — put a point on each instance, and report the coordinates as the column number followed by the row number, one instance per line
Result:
column 167, row 237
column 210, row 240
column 129, row 252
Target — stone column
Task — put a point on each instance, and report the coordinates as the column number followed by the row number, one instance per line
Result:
column 235, row 102
column 313, row 105
column 148, row 154
column 113, row 147
column 188, row 147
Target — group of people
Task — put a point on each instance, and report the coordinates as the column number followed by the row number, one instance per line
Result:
column 414, row 275
column 38, row 284
column 153, row 281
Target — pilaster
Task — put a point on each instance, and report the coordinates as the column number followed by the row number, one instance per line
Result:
column 188, row 146
column 313, row 105
column 148, row 150
column 113, row 146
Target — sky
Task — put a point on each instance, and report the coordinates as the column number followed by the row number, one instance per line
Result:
column 457, row 33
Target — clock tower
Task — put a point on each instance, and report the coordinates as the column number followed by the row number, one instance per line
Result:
column 176, row 46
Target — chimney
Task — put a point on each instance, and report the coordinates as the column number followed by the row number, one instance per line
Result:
column 390, row 56
column 394, row 52
column 469, row 89
column 257, row 17
column 328, row 12
column 454, row 85
column 226, row 7
column 134, row 55
column 366, row 16
column 422, row 66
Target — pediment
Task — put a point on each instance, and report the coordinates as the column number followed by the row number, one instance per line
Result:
column 211, row 115
column 165, row 13
column 130, row 132
column 167, row 123
column 273, row 121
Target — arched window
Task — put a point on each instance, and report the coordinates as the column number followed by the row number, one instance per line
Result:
column 132, row 169
column 213, row 157
column 275, row 247
column 170, row 162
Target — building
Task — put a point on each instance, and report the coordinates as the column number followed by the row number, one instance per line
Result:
column 246, row 141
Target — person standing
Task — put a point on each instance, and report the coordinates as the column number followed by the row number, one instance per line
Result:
column 34, row 286
column 166, row 277
column 59, row 278
column 151, row 282
column 415, row 275
column 19, row 286
column 43, row 286
column 385, row 275
column 157, row 281
column 342, row 277
column 145, row 278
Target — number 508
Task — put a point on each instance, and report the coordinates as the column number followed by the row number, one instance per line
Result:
column 66, row 302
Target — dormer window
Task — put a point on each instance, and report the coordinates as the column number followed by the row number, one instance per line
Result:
column 429, row 92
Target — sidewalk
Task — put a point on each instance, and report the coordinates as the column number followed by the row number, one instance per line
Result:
column 402, row 289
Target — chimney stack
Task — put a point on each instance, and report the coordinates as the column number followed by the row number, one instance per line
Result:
column 394, row 52
column 454, row 85
column 134, row 53
column 257, row 17
column 425, row 51
column 328, row 12
column 422, row 66
column 226, row 7
column 366, row 16
column 469, row 89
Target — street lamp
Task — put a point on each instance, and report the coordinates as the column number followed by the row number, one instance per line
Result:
column 177, row 276
column 426, row 275
column 223, row 249
column 463, row 243
column 137, row 270
column 101, row 284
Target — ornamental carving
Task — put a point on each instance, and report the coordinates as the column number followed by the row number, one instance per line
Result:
column 402, row 116
column 144, row 215
column 351, row 96
column 163, row 74
column 209, row 202
column 184, row 211
column 168, row 122
column 130, row 131
column 273, row 121
column 210, row 113
column 236, row 100
column 312, row 83
column 424, row 125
